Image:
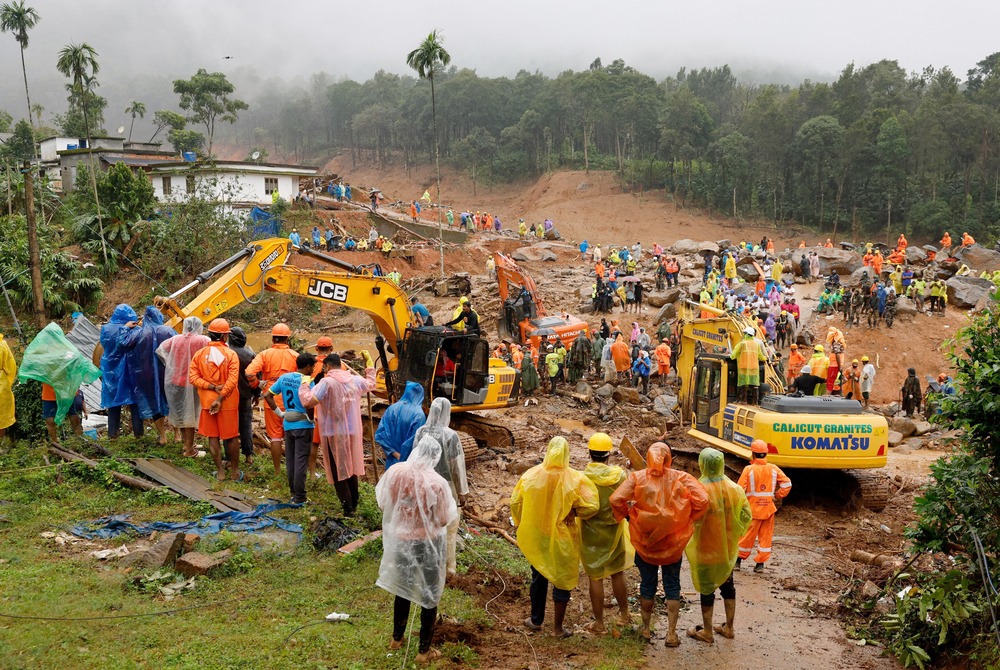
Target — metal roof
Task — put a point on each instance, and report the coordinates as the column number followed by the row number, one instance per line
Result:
column 85, row 335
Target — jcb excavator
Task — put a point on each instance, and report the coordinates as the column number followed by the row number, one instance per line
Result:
column 474, row 381
column 824, row 432
column 523, row 318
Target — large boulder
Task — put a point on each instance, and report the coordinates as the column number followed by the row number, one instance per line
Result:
column 905, row 307
column 902, row 425
column 624, row 394
column 668, row 312
column 844, row 262
column 916, row 255
column 967, row 291
column 533, row 254
column 661, row 298
column 684, row 246
column 746, row 270
column 979, row 258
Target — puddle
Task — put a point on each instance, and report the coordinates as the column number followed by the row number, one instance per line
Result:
column 574, row 426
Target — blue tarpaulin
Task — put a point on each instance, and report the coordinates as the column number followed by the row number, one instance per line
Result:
column 263, row 224
column 235, row 522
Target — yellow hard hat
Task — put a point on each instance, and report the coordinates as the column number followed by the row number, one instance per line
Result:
column 463, row 300
column 865, row 359
column 600, row 442
column 819, row 348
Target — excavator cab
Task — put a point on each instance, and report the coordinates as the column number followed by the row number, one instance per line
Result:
column 450, row 364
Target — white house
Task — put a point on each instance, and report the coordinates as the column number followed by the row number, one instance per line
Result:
column 231, row 182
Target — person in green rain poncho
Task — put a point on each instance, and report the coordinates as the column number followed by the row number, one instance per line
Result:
column 606, row 549
column 713, row 548
column 529, row 375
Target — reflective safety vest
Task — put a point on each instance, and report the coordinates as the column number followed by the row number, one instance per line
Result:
column 763, row 483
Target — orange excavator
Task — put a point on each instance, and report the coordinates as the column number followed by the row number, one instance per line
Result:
column 523, row 318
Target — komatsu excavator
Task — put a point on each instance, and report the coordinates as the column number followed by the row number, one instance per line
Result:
column 523, row 318
column 810, row 432
column 473, row 381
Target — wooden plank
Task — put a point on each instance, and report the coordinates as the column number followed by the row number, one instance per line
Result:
column 154, row 469
column 357, row 544
column 632, row 454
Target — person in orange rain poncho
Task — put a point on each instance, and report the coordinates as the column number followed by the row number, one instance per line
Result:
column 547, row 504
column 606, row 549
column 802, row 244
column 714, row 547
column 835, row 339
column 829, row 244
column 946, row 241
column 621, row 356
column 901, row 243
column 662, row 506
column 967, row 240
column 877, row 261
column 795, row 362
column 763, row 483
column 662, row 354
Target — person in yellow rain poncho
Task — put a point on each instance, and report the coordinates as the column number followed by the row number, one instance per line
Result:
column 8, row 371
column 819, row 363
column 607, row 551
column 547, row 504
column 748, row 353
column 714, row 547
column 730, row 267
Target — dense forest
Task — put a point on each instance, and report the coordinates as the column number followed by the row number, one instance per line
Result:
column 875, row 149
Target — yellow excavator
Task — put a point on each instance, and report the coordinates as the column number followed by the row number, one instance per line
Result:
column 473, row 381
column 810, row 432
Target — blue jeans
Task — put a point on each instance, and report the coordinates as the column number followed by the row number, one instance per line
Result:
column 648, row 577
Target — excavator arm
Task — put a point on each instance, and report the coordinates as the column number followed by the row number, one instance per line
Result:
column 509, row 274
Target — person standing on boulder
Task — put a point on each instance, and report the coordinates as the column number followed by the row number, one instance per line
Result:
column 910, row 393
column 867, row 379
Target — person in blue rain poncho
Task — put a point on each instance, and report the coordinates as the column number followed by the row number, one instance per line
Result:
column 399, row 425
column 146, row 368
column 117, row 389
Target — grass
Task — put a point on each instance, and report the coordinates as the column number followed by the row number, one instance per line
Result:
column 250, row 616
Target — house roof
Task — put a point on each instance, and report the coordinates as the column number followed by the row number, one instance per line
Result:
column 135, row 162
column 235, row 166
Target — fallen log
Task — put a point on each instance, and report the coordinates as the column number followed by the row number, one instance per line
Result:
column 128, row 480
column 878, row 560
column 490, row 526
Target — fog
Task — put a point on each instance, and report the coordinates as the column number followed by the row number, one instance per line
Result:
column 143, row 45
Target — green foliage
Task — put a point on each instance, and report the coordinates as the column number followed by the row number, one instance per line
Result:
column 28, row 403
column 368, row 512
column 21, row 146
column 5, row 121
column 127, row 200
column 164, row 119
column 185, row 140
column 206, row 98
column 78, row 63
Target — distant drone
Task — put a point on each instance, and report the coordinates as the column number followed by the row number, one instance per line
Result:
column 228, row 57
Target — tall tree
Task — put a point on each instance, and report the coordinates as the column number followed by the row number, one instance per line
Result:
column 206, row 96
column 18, row 19
column 167, row 119
column 78, row 63
column 134, row 110
column 427, row 59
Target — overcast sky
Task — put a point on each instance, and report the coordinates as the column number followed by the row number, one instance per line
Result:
column 785, row 40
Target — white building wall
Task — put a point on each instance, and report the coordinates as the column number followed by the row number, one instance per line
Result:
column 226, row 186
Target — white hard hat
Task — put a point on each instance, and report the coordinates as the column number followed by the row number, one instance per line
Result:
column 749, row 331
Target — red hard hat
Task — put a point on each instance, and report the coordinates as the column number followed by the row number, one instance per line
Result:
column 219, row 326
column 281, row 330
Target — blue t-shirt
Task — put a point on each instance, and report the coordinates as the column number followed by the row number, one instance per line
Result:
column 418, row 308
column 287, row 386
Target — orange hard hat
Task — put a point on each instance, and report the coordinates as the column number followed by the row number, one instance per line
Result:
column 219, row 326
column 758, row 447
column 281, row 330
column 323, row 342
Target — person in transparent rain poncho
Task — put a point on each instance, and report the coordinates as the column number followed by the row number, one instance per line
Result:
column 182, row 397
column 451, row 465
column 417, row 507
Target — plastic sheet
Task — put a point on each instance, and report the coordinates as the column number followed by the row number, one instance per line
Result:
column 338, row 396
column 714, row 546
column 140, row 345
column 235, row 522
column 606, row 548
column 451, row 465
column 176, row 354
column 52, row 359
column 116, row 378
column 399, row 424
column 544, row 497
column 417, row 507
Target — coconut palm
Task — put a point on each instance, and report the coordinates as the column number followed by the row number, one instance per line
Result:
column 78, row 62
column 18, row 19
column 427, row 59
column 135, row 109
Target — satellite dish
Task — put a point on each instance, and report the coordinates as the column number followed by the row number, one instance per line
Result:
column 121, row 129
column 255, row 155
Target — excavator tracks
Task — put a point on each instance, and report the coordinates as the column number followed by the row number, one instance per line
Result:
column 488, row 433
column 872, row 488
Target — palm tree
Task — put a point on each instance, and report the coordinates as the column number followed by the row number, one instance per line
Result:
column 426, row 59
column 135, row 109
column 17, row 19
column 38, row 109
column 78, row 62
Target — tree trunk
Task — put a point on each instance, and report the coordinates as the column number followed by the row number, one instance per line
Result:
column 734, row 203
column 130, row 127
column 37, row 297
column 93, row 173
column 28, row 98
column 437, row 170
column 586, row 159
column 888, row 221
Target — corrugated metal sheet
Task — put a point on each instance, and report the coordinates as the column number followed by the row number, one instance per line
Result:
column 85, row 335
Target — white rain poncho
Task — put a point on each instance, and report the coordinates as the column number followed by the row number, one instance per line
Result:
column 176, row 354
column 451, row 465
column 417, row 507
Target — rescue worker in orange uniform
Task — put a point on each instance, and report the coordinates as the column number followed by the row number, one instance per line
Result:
column 271, row 364
column 215, row 372
column 867, row 259
column 896, row 257
column 901, row 243
column 829, row 244
column 802, row 244
column 662, row 355
column 877, row 264
column 763, row 483
column 946, row 241
column 967, row 240
column 795, row 362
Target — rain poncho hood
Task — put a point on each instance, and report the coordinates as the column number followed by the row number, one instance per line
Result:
column 116, row 379
column 451, row 465
column 417, row 507
column 54, row 360
column 237, row 338
column 529, row 376
column 140, row 345
column 176, row 354
column 662, row 505
column 606, row 549
column 714, row 546
column 399, row 424
column 338, row 396
column 542, row 500
column 8, row 372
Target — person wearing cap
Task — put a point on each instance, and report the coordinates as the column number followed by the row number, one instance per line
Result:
column 910, row 393
column 264, row 370
column 748, row 354
column 763, row 482
column 662, row 505
column 867, row 379
column 295, row 237
column 820, row 363
column 714, row 547
column 248, row 394
column 605, row 546
column 297, row 425
column 215, row 371
column 851, row 381
column 807, row 383
column 552, row 367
